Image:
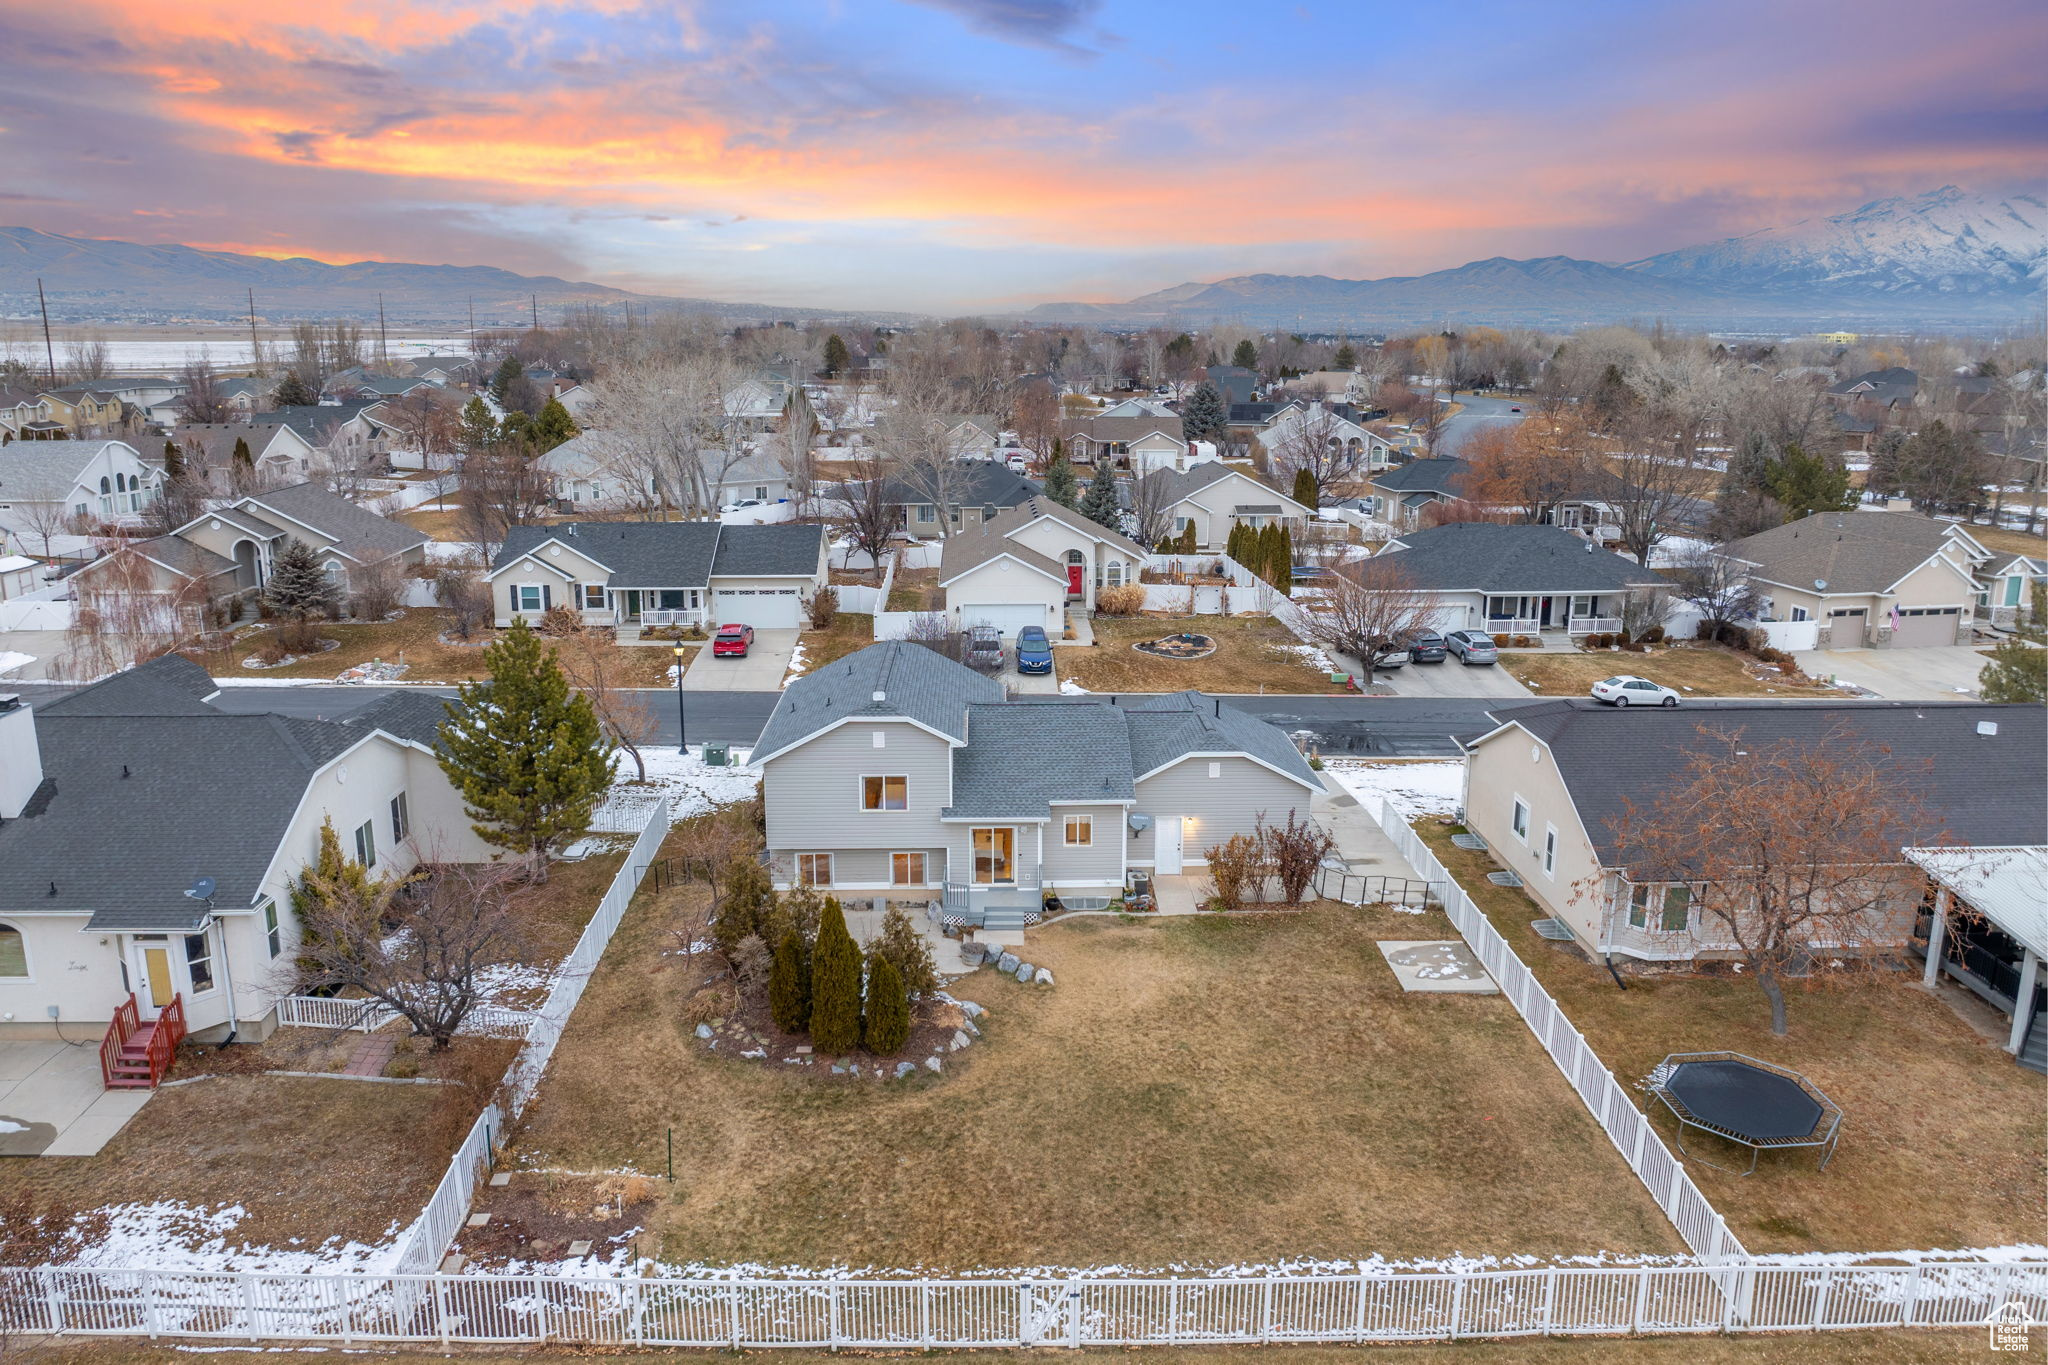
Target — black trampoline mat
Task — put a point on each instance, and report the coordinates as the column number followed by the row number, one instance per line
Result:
column 1744, row 1099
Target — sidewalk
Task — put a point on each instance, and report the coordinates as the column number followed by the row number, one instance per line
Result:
column 1361, row 845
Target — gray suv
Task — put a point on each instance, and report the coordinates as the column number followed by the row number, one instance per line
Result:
column 1472, row 647
column 985, row 648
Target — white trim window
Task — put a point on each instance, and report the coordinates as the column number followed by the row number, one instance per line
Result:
column 199, row 962
column 401, row 818
column 13, row 954
column 995, row 855
column 273, row 932
column 533, row 597
column 906, row 869
column 889, row 793
column 814, row 869
column 593, row 597
column 366, row 843
column 1520, row 820
column 1550, row 850
column 1080, row 831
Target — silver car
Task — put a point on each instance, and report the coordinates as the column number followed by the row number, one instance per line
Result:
column 1472, row 647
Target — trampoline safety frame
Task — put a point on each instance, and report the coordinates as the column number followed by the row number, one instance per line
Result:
column 1825, row 1134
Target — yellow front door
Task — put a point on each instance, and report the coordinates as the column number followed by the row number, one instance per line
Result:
column 156, row 971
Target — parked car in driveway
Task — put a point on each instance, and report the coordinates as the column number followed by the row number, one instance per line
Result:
column 732, row 642
column 1472, row 647
column 1628, row 690
column 1034, row 651
column 984, row 648
column 741, row 504
column 1426, row 647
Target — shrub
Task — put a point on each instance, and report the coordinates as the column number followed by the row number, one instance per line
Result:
column 713, row 1002
column 824, row 605
column 885, row 1023
column 1125, row 600
column 835, row 985
column 1653, row 636
column 1621, row 636
column 1294, row 851
column 1594, row 640
column 1236, row 867
column 560, row 620
column 789, row 985
column 906, row 951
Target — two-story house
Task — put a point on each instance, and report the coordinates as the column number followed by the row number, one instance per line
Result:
column 1213, row 497
column 49, row 486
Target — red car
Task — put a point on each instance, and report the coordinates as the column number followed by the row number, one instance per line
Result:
column 732, row 642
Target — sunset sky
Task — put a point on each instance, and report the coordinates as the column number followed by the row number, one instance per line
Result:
column 952, row 154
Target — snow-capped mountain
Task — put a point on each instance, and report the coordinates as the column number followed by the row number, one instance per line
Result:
column 1945, row 242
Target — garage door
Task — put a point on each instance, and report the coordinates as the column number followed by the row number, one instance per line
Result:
column 1927, row 626
column 1009, row 617
column 761, row 608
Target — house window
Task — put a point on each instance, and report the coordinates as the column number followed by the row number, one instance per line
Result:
column 906, row 869
column 272, row 933
column 1639, row 905
column 366, row 843
column 761, row 492
column 885, row 793
column 1550, row 850
column 530, row 597
column 814, row 869
column 1080, row 831
column 13, row 952
column 199, row 962
column 1115, row 573
column 593, row 596
column 1677, row 908
column 1799, row 613
column 995, row 861
column 927, row 513
column 1674, row 904
column 401, row 819
column 331, row 570
column 1521, row 819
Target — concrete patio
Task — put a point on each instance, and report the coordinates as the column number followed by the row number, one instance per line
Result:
column 52, row 1102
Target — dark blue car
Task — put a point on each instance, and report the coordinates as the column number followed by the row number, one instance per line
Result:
column 1034, row 652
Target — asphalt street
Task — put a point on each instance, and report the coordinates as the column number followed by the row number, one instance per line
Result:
column 1478, row 414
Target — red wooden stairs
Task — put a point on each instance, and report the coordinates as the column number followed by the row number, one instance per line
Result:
column 137, row 1053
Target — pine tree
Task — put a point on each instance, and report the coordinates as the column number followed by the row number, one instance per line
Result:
column 1233, row 544
column 1804, row 483
column 2018, row 670
column 332, row 880
column 1205, row 416
column 836, row 357
column 245, row 463
column 293, row 392
column 1100, row 505
column 746, row 907
column 1188, row 544
column 885, row 1021
column 1060, row 484
column 299, row 591
column 789, row 985
column 835, row 985
column 906, row 950
column 1270, row 552
column 1284, row 579
column 527, row 755
column 1347, row 359
column 553, row 426
column 1246, row 356
column 506, row 375
column 1305, row 491
column 174, row 462
column 479, row 428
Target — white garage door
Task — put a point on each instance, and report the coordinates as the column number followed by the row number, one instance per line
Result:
column 1927, row 626
column 761, row 608
column 1008, row 617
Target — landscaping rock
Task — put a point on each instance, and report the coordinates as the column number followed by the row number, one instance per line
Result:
column 968, row 1024
column 1042, row 977
column 1007, row 963
column 934, row 1064
column 755, row 1052
column 904, row 1069
column 960, row 1040
column 703, row 1030
column 838, row 1070
column 970, row 1009
column 1024, row 971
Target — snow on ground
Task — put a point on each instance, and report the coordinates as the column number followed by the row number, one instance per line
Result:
column 796, row 664
column 12, row 659
column 693, row 787
column 449, row 551
column 1429, row 787
column 171, row 1236
column 1314, row 657
column 1070, row 688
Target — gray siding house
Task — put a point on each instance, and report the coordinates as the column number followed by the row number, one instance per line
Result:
column 895, row 771
column 633, row 574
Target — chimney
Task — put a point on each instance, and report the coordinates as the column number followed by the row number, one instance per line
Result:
column 21, row 758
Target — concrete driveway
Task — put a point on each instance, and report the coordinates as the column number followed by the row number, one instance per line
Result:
column 1936, row 673
column 1029, row 684
column 42, row 647
column 1453, row 679
column 761, row 671
column 52, row 1101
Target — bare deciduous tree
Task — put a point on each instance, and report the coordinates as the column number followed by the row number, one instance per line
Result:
column 1369, row 610
column 590, row 660
column 202, row 401
column 1716, row 586
column 464, row 595
column 870, row 516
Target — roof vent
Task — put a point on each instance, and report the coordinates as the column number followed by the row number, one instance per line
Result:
column 881, row 696
column 1987, row 727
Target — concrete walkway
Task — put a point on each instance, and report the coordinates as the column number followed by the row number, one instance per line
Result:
column 43, row 647
column 1362, row 846
column 54, row 1103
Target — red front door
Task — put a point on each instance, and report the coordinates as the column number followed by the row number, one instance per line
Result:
column 1074, row 579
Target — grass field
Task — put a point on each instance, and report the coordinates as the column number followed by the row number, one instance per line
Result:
column 415, row 640
column 1253, row 654
column 1198, row 1090
column 2008, row 541
column 850, row 631
column 1694, row 670
column 1942, row 1140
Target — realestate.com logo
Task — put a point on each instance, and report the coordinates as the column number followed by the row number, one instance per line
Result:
column 2009, row 1326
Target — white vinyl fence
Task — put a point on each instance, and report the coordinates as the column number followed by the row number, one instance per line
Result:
column 1626, row 1126
column 367, row 1016
column 865, row 599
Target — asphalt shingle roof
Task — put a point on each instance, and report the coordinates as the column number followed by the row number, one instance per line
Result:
column 677, row 554
column 1860, row 551
column 1020, row 759
column 174, row 552
column 42, row 471
column 972, row 483
column 1484, row 557
column 914, row 682
column 360, row 533
column 775, row 551
column 978, row 545
column 1424, row 476
column 316, row 422
column 1610, row 756
column 1171, row 727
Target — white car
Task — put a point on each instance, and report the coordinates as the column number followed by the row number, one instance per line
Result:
column 1628, row 690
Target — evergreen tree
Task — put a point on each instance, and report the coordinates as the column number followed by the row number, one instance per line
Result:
column 1267, row 554
column 836, row 357
column 1187, row 544
column 1246, row 356
column 174, row 461
column 505, row 376
column 2018, row 670
column 1743, row 506
column 885, row 1021
column 1233, row 544
column 479, row 428
column 1205, row 416
column 835, row 985
column 331, row 879
column 1285, row 580
column 1305, row 491
column 1804, row 483
column 299, row 591
column 746, row 908
column 1060, row 484
column 1347, row 359
column 293, row 391
column 527, row 754
column 907, row 951
column 789, row 985
column 1099, row 505
column 244, row 462
column 553, row 426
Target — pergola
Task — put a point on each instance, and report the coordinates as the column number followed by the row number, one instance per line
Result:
column 2009, row 888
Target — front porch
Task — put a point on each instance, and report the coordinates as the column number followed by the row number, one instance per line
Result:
column 1566, row 616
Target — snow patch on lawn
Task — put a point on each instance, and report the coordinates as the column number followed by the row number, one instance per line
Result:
column 693, row 787
column 171, row 1236
column 1315, row 658
column 1070, row 688
column 796, row 664
column 1429, row 787
column 11, row 659
column 454, row 551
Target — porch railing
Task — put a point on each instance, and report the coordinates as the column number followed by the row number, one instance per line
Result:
column 1513, row 625
column 127, row 1018
column 958, row 895
column 1593, row 625
column 654, row 617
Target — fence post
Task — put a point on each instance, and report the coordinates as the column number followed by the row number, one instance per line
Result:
column 1358, row 1327
column 1457, row 1304
column 1912, row 1308
column 733, row 1305
column 1074, row 1312
column 149, row 1303
column 249, row 1303
column 1642, row 1298
column 1671, row 1196
column 1266, row 1310
column 832, row 1314
column 1549, row 1301
column 441, row 1309
column 924, row 1314
column 1024, row 1337
column 53, row 1300
column 1820, row 1298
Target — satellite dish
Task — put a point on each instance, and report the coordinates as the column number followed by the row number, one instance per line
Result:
column 1821, row 584
column 201, row 889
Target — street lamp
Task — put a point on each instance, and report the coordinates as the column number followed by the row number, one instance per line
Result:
column 682, row 717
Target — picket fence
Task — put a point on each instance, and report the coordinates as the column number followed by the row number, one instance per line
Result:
column 1626, row 1126
column 367, row 1016
column 425, row 1243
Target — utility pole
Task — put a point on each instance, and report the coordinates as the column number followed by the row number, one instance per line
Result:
column 255, row 346
column 49, row 348
column 533, row 300
column 383, row 345
column 472, row 326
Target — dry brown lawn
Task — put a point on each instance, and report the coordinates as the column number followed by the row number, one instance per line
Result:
column 849, row 632
column 414, row 639
column 1828, row 1348
column 1942, row 1140
column 1253, row 654
column 440, row 523
column 1695, row 670
column 2008, row 541
column 916, row 590
column 1194, row 1090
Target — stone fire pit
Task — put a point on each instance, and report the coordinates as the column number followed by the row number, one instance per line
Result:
column 1184, row 646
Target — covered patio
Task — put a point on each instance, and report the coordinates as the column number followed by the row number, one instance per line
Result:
column 1988, row 930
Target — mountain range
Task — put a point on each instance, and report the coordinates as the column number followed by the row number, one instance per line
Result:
column 1946, row 256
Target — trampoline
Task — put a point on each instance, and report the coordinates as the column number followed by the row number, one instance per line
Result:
column 1754, row 1104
